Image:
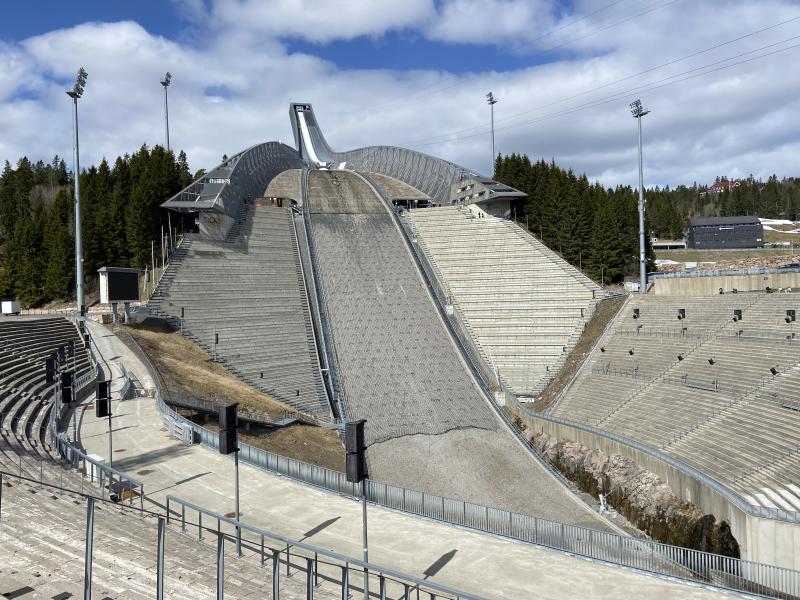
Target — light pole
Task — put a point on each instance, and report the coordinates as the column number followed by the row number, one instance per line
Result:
column 638, row 112
column 75, row 93
column 491, row 101
column 165, row 82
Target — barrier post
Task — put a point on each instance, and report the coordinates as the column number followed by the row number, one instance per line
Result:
column 220, row 567
column 160, row 559
column 276, row 575
column 309, row 579
column 87, row 568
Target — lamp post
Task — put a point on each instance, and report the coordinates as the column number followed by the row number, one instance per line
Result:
column 638, row 112
column 491, row 101
column 75, row 93
column 165, row 82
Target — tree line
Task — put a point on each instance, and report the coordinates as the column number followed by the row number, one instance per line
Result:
column 597, row 228
column 594, row 228
column 120, row 217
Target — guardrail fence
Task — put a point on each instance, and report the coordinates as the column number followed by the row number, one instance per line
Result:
column 287, row 557
column 641, row 554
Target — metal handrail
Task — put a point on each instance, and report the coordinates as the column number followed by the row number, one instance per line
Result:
column 642, row 554
column 416, row 582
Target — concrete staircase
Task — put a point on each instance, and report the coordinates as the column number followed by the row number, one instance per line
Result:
column 524, row 305
column 249, row 291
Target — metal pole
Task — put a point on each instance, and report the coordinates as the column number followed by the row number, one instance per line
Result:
column 309, row 579
column 492, row 110
column 276, row 574
column 220, row 567
column 238, row 528
column 162, row 525
column 366, row 547
column 87, row 572
column 77, row 187
column 642, row 258
column 166, row 117
column 110, row 443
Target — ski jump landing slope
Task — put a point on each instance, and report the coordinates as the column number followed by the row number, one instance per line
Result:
column 429, row 427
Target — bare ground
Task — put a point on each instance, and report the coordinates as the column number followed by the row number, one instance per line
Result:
column 187, row 371
column 308, row 443
column 594, row 329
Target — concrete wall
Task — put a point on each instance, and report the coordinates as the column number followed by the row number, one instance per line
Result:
column 709, row 286
column 760, row 539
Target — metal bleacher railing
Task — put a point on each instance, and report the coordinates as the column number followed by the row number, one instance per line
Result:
column 727, row 272
column 108, row 479
column 313, row 560
column 641, row 554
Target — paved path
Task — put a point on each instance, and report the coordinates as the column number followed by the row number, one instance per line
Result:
column 473, row 562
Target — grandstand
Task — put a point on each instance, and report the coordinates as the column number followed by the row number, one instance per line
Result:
column 525, row 306
column 715, row 392
column 24, row 394
column 255, row 279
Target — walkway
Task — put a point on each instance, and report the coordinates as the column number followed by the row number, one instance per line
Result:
column 477, row 563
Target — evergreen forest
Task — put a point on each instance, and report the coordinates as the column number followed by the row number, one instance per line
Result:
column 597, row 228
column 120, row 218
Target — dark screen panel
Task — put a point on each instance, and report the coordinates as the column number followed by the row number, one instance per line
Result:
column 123, row 287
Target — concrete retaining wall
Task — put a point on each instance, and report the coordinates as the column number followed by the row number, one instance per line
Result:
column 761, row 540
column 709, row 286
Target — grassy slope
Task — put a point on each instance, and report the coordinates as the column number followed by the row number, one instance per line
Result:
column 187, row 370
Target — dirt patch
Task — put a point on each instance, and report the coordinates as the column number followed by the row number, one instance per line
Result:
column 606, row 310
column 189, row 373
column 307, row 443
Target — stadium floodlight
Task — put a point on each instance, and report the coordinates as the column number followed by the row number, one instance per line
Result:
column 491, row 101
column 165, row 82
column 75, row 93
column 638, row 112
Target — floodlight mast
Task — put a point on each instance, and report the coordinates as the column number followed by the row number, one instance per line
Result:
column 491, row 101
column 75, row 93
column 165, row 82
column 638, row 111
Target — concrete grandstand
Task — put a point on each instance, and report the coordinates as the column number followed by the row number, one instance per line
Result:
column 430, row 369
column 310, row 280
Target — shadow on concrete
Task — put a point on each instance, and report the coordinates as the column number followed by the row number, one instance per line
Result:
column 134, row 463
column 182, row 481
column 439, row 564
column 315, row 530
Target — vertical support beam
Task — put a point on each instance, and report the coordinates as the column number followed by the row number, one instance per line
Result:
column 87, row 568
column 77, row 209
column 382, row 587
column 160, row 559
column 276, row 574
column 238, row 527
column 220, row 567
column 309, row 579
column 345, row 582
column 366, row 548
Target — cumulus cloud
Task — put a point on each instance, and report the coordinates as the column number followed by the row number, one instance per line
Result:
column 234, row 77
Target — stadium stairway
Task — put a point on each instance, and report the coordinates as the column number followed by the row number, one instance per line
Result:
column 25, row 401
column 249, row 291
column 717, row 393
column 523, row 304
column 46, row 553
column 429, row 427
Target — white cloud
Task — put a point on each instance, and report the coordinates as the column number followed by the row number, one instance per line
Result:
column 233, row 82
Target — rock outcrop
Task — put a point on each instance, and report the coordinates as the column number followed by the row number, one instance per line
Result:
column 640, row 495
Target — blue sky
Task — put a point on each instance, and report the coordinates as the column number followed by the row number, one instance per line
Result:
column 414, row 73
